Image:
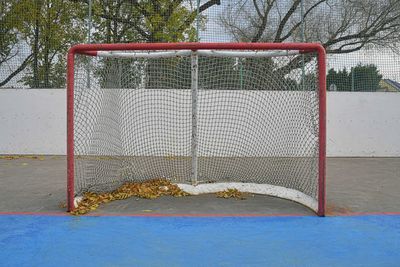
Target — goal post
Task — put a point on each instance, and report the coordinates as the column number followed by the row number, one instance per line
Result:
column 207, row 116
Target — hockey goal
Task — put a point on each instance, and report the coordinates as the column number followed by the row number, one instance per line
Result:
column 207, row 116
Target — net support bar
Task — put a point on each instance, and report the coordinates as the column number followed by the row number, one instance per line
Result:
column 194, row 87
column 208, row 53
column 263, row 189
column 164, row 54
column 247, row 54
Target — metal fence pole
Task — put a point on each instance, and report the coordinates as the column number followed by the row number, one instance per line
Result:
column 303, row 72
column 194, row 87
column 89, row 40
column 198, row 21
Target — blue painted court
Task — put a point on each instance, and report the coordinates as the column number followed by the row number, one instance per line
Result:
column 27, row 240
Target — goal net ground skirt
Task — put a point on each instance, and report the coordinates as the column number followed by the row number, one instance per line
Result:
column 207, row 116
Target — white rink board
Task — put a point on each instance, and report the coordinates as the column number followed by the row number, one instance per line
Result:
column 367, row 124
column 363, row 124
column 33, row 121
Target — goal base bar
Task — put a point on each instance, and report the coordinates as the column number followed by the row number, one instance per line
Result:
column 262, row 189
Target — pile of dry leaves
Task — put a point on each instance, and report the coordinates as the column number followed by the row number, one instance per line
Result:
column 149, row 189
column 231, row 193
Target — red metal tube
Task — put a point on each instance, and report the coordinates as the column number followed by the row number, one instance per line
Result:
column 70, row 129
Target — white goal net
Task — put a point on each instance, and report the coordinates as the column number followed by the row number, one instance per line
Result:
column 207, row 120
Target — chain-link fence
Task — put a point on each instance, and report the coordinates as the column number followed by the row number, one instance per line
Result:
column 362, row 37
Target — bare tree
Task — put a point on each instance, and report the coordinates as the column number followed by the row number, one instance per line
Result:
column 341, row 26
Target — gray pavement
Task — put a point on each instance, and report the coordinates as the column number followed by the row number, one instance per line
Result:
column 353, row 185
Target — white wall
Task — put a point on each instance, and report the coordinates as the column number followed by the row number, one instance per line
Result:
column 32, row 121
column 364, row 124
column 359, row 124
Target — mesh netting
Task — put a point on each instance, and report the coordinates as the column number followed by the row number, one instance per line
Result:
column 256, row 121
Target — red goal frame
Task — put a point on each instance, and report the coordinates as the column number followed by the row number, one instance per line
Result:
column 91, row 50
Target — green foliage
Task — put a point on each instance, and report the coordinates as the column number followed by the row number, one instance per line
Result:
column 115, row 22
column 11, row 24
column 120, row 73
column 366, row 78
column 340, row 79
column 49, row 74
column 52, row 27
column 143, row 21
column 214, row 73
column 173, row 27
column 359, row 78
column 8, row 34
column 218, row 74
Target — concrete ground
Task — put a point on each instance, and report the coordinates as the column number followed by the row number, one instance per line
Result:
column 353, row 185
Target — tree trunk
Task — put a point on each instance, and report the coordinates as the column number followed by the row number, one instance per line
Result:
column 47, row 50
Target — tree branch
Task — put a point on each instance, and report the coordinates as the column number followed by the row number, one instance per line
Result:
column 126, row 21
column 209, row 4
column 257, row 9
column 189, row 20
column 18, row 70
column 285, row 19
column 294, row 28
column 264, row 19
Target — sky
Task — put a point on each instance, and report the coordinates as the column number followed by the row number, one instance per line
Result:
column 388, row 62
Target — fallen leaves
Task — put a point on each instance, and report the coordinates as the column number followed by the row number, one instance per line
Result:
column 150, row 189
column 231, row 193
column 13, row 157
column 171, row 157
column 62, row 204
